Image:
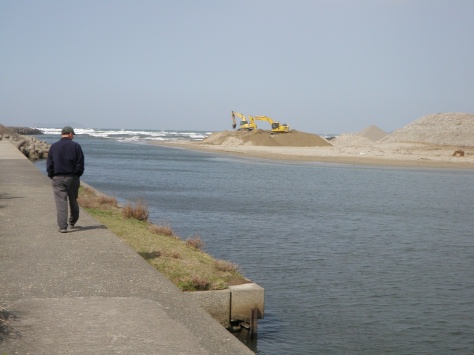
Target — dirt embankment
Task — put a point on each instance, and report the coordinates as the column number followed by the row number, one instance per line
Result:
column 264, row 138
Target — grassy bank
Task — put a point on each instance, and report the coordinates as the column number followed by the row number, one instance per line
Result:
column 182, row 261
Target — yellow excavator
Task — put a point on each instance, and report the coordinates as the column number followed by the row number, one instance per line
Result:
column 245, row 124
column 276, row 126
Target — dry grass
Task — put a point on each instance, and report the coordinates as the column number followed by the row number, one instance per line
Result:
column 200, row 284
column 195, row 243
column 224, row 265
column 162, row 230
column 89, row 199
column 139, row 211
column 183, row 262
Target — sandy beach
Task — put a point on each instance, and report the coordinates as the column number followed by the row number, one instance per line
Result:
column 420, row 155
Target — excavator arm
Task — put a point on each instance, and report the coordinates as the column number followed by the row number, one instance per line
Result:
column 262, row 118
column 244, row 123
column 234, row 123
column 276, row 126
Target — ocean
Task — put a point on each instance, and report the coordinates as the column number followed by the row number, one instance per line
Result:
column 354, row 260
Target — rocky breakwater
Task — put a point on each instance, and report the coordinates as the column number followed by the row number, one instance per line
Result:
column 32, row 147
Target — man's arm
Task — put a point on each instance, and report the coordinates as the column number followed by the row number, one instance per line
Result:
column 80, row 160
column 50, row 164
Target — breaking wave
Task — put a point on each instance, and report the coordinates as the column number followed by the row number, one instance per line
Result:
column 129, row 135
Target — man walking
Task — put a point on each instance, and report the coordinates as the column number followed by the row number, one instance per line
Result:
column 65, row 165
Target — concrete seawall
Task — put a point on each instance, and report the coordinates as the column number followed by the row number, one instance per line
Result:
column 85, row 291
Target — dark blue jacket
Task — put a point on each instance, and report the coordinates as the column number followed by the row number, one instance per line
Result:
column 65, row 157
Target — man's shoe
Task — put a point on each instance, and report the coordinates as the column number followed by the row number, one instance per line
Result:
column 63, row 230
column 71, row 225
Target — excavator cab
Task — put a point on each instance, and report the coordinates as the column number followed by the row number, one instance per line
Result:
column 280, row 127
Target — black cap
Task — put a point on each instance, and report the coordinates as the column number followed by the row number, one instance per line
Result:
column 67, row 130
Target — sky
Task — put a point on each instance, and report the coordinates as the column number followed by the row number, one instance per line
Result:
column 321, row 66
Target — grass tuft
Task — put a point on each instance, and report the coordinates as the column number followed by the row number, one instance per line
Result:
column 195, row 243
column 200, row 283
column 139, row 211
column 162, row 230
column 89, row 199
column 224, row 265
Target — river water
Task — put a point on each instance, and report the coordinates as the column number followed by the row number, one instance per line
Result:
column 354, row 260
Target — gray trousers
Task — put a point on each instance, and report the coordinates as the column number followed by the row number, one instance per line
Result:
column 64, row 188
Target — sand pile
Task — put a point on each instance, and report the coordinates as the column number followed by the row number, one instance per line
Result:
column 372, row 132
column 366, row 137
column 452, row 128
column 264, row 138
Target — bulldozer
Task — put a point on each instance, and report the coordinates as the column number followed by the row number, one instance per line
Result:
column 277, row 127
column 244, row 124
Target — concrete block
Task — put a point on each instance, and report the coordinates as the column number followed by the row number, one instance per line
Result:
column 244, row 298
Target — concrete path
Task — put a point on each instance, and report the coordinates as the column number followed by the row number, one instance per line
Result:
column 85, row 291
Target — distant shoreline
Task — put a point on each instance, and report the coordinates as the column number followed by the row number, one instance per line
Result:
column 402, row 155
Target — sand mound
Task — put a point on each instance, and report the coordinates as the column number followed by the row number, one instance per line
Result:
column 261, row 137
column 452, row 128
column 372, row 132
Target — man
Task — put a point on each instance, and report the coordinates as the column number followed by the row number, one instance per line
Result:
column 65, row 165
